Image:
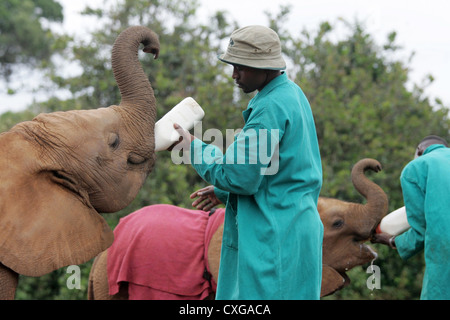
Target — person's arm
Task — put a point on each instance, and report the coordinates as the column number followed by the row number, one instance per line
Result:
column 221, row 195
column 412, row 241
column 241, row 169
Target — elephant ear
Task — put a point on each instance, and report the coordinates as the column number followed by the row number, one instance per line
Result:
column 44, row 226
column 332, row 281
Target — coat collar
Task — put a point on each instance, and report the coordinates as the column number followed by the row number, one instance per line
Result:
column 433, row 147
column 282, row 78
column 261, row 94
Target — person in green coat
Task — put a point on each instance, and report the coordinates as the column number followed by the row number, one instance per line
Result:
column 426, row 192
column 269, row 177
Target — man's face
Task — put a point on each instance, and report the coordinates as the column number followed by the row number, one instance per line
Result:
column 249, row 79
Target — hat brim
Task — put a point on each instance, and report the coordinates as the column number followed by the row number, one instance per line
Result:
column 265, row 64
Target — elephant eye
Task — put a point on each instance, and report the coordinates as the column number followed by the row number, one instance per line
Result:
column 338, row 224
column 135, row 159
column 113, row 140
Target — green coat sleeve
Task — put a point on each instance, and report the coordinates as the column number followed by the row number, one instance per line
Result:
column 241, row 169
column 221, row 195
column 412, row 241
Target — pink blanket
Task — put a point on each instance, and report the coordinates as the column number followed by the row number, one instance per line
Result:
column 161, row 251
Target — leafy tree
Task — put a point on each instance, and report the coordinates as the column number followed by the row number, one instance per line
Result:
column 9, row 119
column 25, row 37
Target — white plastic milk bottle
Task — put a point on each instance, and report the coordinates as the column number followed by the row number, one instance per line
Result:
column 394, row 223
column 185, row 113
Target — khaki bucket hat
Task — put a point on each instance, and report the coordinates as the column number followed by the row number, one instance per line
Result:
column 254, row 46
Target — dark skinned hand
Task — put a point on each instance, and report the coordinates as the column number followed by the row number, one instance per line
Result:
column 206, row 199
column 383, row 238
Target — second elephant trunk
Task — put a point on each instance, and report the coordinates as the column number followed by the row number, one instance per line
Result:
column 370, row 214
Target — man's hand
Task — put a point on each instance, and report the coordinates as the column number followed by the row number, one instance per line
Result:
column 206, row 199
column 184, row 142
column 384, row 238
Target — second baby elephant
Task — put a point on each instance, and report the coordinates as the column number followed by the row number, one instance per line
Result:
column 154, row 231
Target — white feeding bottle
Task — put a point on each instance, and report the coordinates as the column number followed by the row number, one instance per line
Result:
column 394, row 223
column 185, row 113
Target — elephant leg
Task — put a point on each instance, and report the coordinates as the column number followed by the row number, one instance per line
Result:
column 214, row 248
column 91, row 295
column 98, row 281
column 8, row 283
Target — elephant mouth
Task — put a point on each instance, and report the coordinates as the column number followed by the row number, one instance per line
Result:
column 366, row 248
column 345, row 279
column 367, row 254
column 64, row 180
column 362, row 254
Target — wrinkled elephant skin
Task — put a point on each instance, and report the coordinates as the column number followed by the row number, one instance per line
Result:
column 60, row 170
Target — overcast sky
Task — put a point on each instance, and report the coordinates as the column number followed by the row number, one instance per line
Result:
column 422, row 27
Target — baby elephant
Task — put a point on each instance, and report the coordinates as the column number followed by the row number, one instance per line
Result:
column 168, row 252
column 61, row 170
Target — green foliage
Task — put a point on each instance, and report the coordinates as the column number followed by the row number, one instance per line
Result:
column 357, row 89
column 9, row 119
column 24, row 38
column 362, row 106
column 54, row 286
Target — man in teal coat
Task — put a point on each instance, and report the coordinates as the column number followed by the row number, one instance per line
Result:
column 269, row 178
column 426, row 192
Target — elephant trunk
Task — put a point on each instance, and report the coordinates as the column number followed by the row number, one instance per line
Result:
column 376, row 207
column 135, row 89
